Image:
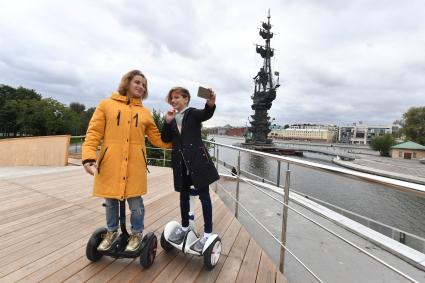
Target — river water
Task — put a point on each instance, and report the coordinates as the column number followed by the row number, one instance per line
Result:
column 397, row 209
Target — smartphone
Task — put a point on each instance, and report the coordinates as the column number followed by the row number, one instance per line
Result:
column 204, row 92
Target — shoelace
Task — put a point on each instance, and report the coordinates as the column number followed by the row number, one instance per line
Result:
column 108, row 236
column 135, row 237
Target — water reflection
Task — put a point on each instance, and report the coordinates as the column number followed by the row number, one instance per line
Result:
column 256, row 165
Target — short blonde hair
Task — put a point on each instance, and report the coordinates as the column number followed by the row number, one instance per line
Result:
column 184, row 92
column 125, row 82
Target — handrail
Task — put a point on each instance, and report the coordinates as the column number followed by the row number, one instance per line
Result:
column 266, row 181
column 270, row 233
column 396, row 184
column 332, row 232
column 362, row 176
column 359, row 216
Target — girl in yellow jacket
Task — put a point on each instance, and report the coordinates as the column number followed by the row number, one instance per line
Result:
column 119, row 169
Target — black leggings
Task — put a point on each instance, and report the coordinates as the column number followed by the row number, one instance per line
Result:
column 204, row 196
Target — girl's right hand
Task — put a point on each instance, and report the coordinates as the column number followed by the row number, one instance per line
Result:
column 90, row 168
column 171, row 114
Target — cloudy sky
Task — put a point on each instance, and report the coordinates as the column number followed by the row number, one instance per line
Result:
column 339, row 61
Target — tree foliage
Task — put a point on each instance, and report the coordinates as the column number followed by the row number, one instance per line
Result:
column 383, row 144
column 413, row 124
column 156, row 155
column 23, row 112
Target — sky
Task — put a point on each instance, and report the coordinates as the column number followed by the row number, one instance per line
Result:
column 340, row 62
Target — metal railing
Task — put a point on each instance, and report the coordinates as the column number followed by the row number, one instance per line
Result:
column 77, row 141
column 395, row 184
column 404, row 237
column 163, row 160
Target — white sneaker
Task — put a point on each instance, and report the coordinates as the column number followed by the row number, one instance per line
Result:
column 178, row 236
column 199, row 245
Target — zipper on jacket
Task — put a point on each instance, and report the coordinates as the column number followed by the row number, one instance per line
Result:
column 118, row 117
column 146, row 161
column 100, row 161
column 185, row 164
column 137, row 118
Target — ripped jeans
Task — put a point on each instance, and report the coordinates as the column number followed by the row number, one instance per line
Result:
column 137, row 217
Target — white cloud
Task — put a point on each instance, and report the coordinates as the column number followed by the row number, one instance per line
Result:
column 339, row 61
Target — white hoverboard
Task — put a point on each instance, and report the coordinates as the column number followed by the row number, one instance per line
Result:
column 212, row 248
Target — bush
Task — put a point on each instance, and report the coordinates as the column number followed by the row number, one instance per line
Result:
column 383, row 144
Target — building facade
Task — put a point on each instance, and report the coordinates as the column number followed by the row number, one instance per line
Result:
column 306, row 132
column 361, row 133
column 408, row 150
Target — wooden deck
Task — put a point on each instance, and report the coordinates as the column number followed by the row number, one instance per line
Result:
column 46, row 220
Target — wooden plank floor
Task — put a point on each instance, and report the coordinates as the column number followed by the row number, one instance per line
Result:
column 47, row 219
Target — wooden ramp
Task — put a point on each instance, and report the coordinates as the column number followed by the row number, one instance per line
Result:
column 47, row 219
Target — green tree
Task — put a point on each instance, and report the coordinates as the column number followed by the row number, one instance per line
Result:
column 85, row 119
column 11, row 116
column 77, row 107
column 23, row 112
column 154, row 153
column 383, row 144
column 413, row 124
column 77, row 117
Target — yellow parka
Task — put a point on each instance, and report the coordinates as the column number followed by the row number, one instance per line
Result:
column 121, row 162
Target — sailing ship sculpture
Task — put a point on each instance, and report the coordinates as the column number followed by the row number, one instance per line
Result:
column 264, row 91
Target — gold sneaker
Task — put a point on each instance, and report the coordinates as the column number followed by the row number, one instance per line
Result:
column 107, row 241
column 134, row 242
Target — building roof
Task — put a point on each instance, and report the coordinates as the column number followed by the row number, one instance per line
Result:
column 409, row 145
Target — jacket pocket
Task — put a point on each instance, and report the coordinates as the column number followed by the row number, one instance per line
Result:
column 146, row 161
column 101, row 159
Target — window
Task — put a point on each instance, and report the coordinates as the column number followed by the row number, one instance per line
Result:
column 400, row 153
column 414, row 155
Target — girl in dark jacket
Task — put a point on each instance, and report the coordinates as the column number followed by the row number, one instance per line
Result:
column 191, row 162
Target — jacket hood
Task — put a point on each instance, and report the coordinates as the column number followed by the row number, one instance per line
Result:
column 134, row 101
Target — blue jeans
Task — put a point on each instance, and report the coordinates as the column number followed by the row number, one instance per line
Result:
column 137, row 217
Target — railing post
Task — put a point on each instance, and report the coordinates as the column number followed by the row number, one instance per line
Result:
column 163, row 163
column 238, row 178
column 284, row 219
column 278, row 174
column 216, row 159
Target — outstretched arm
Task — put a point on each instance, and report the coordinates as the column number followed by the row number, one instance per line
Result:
column 154, row 136
column 208, row 111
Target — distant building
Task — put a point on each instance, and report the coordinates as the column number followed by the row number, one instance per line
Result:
column 408, row 150
column 362, row 133
column 306, row 132
column 237, row 132
column 227, row 130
